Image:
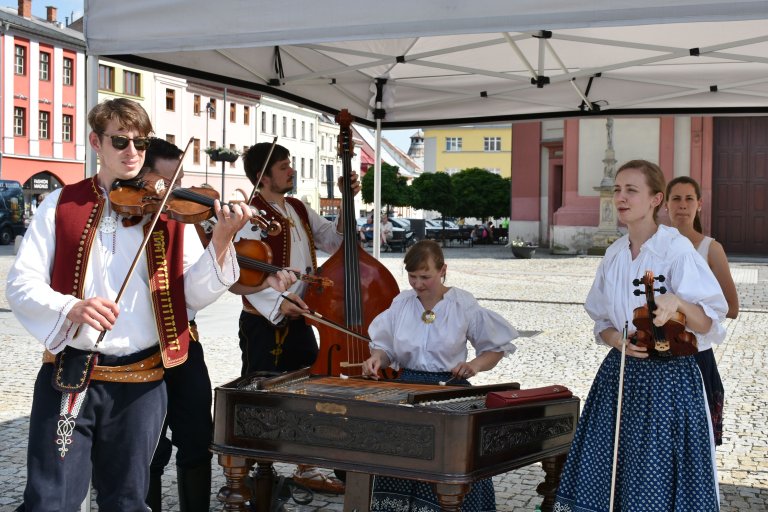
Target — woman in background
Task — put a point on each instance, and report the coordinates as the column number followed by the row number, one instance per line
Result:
column 684, row 207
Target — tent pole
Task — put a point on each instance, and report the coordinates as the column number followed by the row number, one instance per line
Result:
column 223, row 111
column 91, row 100
column 378, row 115
column 377, row 194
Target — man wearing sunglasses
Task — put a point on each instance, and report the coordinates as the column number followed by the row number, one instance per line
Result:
column 63, row 287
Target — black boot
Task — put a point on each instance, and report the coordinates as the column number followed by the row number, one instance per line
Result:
column 154, row 496
column 194, row 488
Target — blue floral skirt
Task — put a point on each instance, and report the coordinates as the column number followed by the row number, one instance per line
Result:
column 666, row 451
column 400, row 495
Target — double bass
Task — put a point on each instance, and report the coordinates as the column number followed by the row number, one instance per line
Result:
column 363, row 287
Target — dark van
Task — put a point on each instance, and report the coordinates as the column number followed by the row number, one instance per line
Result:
column 11, row 211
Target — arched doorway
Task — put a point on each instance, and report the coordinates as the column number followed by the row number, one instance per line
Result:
column 36, row 187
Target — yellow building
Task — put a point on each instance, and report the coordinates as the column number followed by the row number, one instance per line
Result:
column 453, row 148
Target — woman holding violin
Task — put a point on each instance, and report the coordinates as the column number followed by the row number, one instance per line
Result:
column 665, row 454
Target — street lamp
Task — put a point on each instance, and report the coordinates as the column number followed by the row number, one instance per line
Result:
column 208, row 109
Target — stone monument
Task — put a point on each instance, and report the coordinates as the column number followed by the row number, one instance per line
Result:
column 607, row 231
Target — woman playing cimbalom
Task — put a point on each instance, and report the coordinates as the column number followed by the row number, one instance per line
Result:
column 424, row 334
column 684, row 207
column 665, row 458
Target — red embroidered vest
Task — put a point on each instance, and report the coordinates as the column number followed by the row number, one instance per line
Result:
column 82, row 205
column 281, row 243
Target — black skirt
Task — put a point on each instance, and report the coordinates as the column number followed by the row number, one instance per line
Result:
column 713, row 387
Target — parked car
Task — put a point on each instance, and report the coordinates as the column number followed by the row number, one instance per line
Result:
column 11, row 211
column 439, row 230
column 399, row 224
column 402, row 235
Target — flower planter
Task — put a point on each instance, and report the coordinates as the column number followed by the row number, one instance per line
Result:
column 223, row 157
column 524, row 252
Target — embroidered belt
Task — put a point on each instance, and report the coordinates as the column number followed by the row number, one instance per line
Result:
column 193, row 334
column 146, row 370
column 250, row 309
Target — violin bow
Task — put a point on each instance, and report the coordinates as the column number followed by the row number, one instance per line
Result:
column 618, row 413
column 261, row 172
column 148, row 233
column 321, row 319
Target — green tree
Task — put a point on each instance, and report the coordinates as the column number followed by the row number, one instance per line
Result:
column 481, row 193
column 394, row 188
column 433, row 191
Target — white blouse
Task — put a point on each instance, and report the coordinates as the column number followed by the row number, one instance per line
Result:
column 611, row 301
column 440, row 346
column 42, row 311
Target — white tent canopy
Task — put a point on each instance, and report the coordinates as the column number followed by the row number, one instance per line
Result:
column 449, row 61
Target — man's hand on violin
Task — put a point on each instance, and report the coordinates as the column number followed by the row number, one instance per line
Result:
column 282, row 279
column 97, row 312
column 355, row 183
column 293, row 308
column 229, row 220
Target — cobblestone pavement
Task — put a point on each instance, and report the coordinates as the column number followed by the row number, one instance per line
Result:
column 542, row 296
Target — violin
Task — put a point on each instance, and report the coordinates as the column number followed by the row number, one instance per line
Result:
column 144, row 194
column 255, row 259
column 663, row 342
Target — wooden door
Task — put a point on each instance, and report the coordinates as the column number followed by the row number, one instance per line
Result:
column 740, row 184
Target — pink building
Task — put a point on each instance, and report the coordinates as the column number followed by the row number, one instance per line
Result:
column 42, row 112
column 553, row 178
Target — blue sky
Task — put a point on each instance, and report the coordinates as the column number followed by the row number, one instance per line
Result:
column 400, row 138
column 65, row 8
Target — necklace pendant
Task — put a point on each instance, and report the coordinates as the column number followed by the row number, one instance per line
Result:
column 428, row 316
column 108, row 225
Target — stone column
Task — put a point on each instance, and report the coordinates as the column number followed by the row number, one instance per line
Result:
column 607, row 231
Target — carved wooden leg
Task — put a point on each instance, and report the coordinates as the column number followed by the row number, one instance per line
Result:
column 235, row 493
column 450, row 496
column 553, row 467
column 264, row 483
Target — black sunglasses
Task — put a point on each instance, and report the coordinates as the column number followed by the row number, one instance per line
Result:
column 120, row 142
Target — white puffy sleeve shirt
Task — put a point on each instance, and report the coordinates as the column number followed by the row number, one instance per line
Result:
column 611, row 300
column 440, row 346
column 43, row 311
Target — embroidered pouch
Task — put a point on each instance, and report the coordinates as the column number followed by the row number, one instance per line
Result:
column 72, row 369
column 525, row 396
